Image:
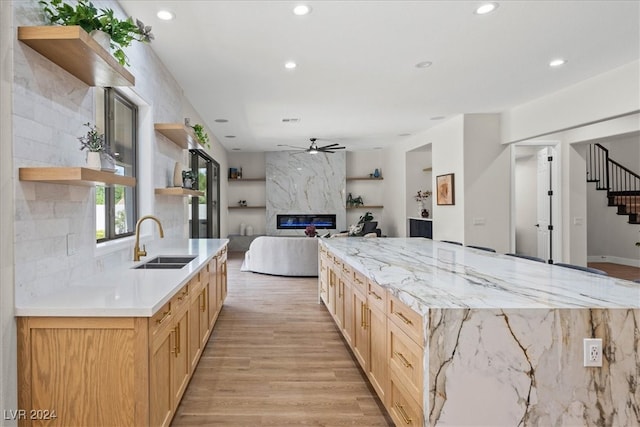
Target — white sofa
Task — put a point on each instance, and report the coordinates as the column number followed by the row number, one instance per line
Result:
column 282, row 256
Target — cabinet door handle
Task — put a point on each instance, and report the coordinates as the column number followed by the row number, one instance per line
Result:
column 402, row 413
column 203, row 307
column 403, row 359
column 178, row 340
column 404, row 318
column 378, row 297
column 362, row 323
column 164, row 317
column 175, row 341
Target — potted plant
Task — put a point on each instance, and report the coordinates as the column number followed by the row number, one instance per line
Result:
column 203, row 137
column 97, row 149
column 420, row 197
column 121, row 32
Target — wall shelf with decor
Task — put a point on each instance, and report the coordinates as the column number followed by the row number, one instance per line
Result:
column 248, row 180
column 366, row 207
column 74, row 176
column 363, row 178
column 247, row 207
column 178, row 191
column 178, row 133
column 71, row 48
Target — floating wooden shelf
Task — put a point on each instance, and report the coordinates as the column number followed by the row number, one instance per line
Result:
column 366, row 207
column 247, row 207
column 181, row 135
column 248, row 180
column 178, row 191
column 74, row 176
column 73, row 49
column 363, row 178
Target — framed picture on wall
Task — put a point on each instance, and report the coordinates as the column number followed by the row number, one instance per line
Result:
column 445, row 190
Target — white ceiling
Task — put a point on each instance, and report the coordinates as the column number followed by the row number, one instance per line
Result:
column 356, row 82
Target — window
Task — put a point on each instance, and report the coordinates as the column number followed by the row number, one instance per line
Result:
column 116, row 206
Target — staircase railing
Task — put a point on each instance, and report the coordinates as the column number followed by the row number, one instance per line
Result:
column 618, row 180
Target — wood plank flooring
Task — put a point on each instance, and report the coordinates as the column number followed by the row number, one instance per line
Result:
column 617, row 270
column 275, row 358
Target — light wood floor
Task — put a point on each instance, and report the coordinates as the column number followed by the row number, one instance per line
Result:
column 275, row 358
column 617, row 270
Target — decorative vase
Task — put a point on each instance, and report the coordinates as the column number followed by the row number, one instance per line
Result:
column 249, row 230
column 376, row 173
column 93, row 160
column 420, row 208
column 177, row 175
column 102, row 38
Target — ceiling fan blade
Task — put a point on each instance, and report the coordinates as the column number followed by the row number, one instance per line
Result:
column 331, row 148
column 327, row 146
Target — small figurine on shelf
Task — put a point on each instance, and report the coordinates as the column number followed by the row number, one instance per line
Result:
column 242, row 203
column 310, row 231
column 189, row 180
column 376, row 173
column 349, row 200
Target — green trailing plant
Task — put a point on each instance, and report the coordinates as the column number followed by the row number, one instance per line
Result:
column 93, row 141
column 121, row 32
column 203, row 137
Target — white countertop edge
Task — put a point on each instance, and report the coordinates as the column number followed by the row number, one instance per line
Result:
column 122, row 286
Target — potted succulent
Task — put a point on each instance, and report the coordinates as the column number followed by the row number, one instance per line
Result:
column 98, row 152
column 121, row 32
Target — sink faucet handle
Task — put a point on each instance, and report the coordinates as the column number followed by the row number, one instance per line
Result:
column 143, row 252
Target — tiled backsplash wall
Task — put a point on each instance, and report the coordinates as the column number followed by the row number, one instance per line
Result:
column 49, row 108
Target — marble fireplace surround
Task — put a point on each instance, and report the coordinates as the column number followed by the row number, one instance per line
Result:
column 303, row 183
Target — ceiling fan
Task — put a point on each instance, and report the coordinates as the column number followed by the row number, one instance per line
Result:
column 314, row 149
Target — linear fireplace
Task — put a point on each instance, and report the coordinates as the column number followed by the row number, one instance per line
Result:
column 301, row 221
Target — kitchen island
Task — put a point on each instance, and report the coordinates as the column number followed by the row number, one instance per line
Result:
column 500, row 338
column 119, row 347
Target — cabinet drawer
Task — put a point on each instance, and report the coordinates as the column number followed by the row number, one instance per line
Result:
column 180, row 299
column 408, row 320
column 161, row 319
column 376, row 295
column 405, row 360
column 359, row 282
column 402, row 408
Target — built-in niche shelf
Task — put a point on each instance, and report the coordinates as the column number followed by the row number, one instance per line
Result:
column 74, row 176
column 248, row 180
column 363, row 178
column 366, row 207
column 178, row 133
column 178, row 191
column 247, row 207
column 74, row 50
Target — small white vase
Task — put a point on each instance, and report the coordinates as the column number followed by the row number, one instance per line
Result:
column 93, row 160
column 420, row 208
column 177, row 175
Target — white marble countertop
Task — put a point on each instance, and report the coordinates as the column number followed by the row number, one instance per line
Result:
column 431, row 274
column 124, row 291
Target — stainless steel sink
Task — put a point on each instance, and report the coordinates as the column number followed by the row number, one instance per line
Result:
column 166, row 262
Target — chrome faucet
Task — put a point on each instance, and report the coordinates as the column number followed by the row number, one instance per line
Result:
column 137, row 253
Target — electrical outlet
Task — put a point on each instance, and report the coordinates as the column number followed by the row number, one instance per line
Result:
column 592, row 352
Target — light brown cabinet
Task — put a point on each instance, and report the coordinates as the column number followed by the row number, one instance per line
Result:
column 124, row 371
column 384, row 334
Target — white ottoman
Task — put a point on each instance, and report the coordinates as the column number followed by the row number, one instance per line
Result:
column 282, row 256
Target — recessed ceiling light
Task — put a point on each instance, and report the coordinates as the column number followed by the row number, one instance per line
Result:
column 301, row 9
column 290, row 65
column 291, row 120
column 486, row 8
column 557, row 62
column 221, row 120
column 424, row 64
column 229, row 136
column 235, row 149
column 165, row 15
column 437, row 118
column 404, row 134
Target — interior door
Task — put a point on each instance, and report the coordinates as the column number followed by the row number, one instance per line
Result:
column 543, row 205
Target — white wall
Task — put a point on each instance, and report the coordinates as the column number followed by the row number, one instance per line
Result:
column 610, row 237
column 526, row 189
column 8, row 361
column 487, row 183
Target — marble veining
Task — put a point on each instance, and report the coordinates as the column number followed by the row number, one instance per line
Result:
column 428, row 274
column 302, row 183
